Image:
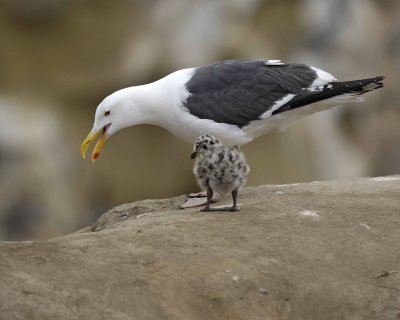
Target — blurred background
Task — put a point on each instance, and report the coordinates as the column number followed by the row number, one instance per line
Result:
column 60, row 58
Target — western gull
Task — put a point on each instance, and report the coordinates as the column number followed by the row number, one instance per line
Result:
column 219, row 168
column 235, row 101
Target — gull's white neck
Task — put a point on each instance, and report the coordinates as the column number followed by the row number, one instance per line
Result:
column 158, row 102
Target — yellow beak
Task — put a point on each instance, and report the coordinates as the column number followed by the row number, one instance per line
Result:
column 99, row 145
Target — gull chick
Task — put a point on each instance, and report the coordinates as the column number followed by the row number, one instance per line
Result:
column 219, row 169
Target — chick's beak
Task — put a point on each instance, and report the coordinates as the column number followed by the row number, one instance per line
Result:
column 193, row 155
column 99, row 145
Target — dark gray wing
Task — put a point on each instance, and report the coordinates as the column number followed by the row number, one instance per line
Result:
column 239, row 91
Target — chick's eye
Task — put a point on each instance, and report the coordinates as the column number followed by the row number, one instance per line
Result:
column 107, row 113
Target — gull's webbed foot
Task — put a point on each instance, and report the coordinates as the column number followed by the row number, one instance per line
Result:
column 198, row 199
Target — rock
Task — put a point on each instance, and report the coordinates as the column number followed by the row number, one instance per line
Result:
column 305, row 251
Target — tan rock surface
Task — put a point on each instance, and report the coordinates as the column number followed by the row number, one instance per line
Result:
column 306, row 251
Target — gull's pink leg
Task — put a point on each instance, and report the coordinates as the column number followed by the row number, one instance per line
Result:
column 199, row 199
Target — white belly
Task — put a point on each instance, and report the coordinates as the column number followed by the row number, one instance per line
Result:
column 188, row 128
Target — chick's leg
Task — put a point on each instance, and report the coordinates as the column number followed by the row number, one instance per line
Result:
column 210, row 193
column 234, row 198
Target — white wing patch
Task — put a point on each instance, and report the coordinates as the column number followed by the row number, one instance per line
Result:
column 323, row 78
column 273, row 62
column 279, row 103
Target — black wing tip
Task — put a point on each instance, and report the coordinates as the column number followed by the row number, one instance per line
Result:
column 362, row 85
column 380, row 81
column 376, row 81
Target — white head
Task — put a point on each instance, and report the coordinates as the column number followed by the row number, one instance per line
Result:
column 123, row 108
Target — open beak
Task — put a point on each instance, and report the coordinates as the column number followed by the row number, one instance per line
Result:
column 99, row 145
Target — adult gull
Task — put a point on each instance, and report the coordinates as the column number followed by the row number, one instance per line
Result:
column 234, row 101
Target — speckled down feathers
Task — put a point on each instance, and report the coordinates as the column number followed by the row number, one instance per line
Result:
column 223, row 167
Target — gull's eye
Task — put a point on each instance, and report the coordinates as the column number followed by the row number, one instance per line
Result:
column 107, row 113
